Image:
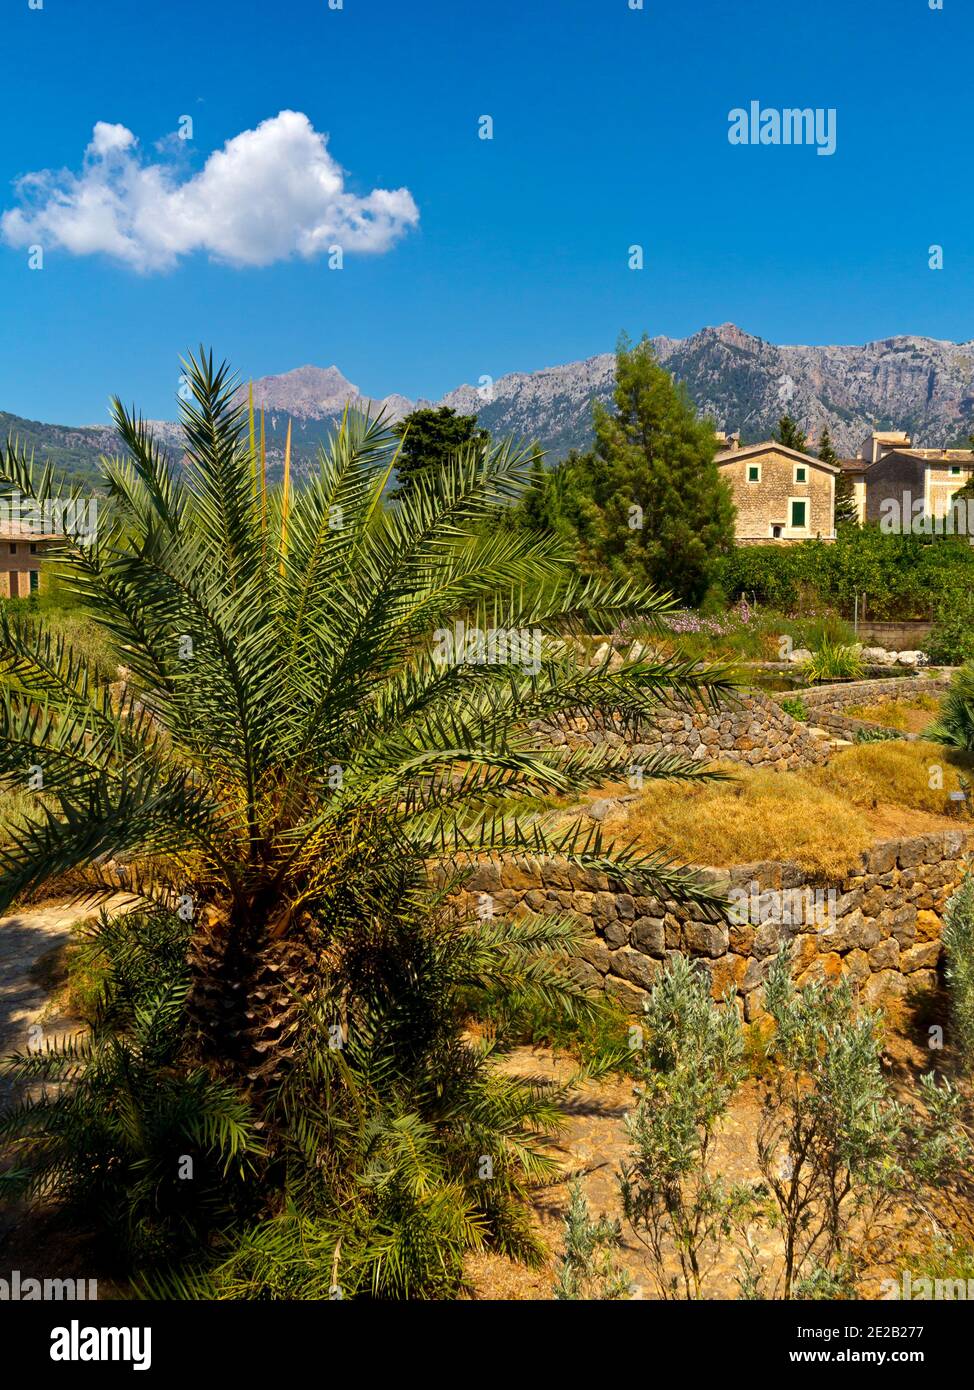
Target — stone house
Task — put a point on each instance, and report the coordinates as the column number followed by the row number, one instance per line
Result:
column 21, row 553
column 892, row 479
column 780, row 494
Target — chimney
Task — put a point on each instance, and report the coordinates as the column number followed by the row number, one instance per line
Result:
column 881, row 442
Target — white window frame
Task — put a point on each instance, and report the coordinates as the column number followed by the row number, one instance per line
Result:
column 800, row 482
column 806, row 503
column 747, row 473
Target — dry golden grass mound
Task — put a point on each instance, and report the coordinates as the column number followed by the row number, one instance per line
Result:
column 906, row 716
column 892, row 773
column 758, row 815
column 822, row 818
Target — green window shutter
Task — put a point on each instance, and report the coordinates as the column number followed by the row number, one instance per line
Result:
column 798, row 512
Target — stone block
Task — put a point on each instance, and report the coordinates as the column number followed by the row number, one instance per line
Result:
column 630, row 996
column 885, row 956
column 726, row 975
column 615, row 933
column 706, row 938
column 884, row 987
column 928, row 926
column 882, row 858
column 921, row 957
column 649, row 935
column 485, row 878
column 597, row 955
column 635, row 967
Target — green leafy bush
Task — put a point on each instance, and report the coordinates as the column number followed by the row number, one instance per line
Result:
column 796, row 707
column 958, row 941
column 156, row 1154
column 587, row 1269
column 693, row 1063
column 837, row 1152
column 840, row 1157
column 893, row 577
column 951, row 641
column 875, row 735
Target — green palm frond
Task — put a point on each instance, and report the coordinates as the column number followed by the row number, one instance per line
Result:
column 297, row 743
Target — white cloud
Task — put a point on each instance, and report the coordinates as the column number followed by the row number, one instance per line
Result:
column 270, row 193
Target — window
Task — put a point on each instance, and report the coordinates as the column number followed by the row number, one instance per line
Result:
column 801, row 473
column 33, row 547
column 799, row 513
column 776, row 532
column 955, row 470
column 13, row 547
column 754, row 472
column 35, row 581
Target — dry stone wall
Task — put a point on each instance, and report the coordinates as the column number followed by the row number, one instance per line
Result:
column 881, row 924
column 833, row 699
column 826, row 703
column 750, row 728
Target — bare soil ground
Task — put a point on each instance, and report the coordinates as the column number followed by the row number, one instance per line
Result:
column 32, row 976
column 594, row 1144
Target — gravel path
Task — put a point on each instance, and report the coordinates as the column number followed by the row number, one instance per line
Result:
column 29, row 941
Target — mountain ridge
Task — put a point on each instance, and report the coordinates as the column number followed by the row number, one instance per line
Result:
column 743, row 382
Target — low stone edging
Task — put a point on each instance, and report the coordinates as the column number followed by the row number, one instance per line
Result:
column 844, row 726
column 833, row 699
column 881, row 924
column 749, row 728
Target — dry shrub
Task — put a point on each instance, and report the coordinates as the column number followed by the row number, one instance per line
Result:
column 759, row 815
column 898, row 714
column 822, row 818
column 892, row 773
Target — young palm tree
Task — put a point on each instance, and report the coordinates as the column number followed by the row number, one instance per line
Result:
column 293, row 748
column 955, row 726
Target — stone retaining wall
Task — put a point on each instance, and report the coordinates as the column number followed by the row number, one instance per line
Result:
column 833, row 699
column 844, row 726
column 881, row 923
column 751, row 728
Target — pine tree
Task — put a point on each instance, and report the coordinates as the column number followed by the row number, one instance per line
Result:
column 967, row 491
column 431, row 437
column 648, row 503
column 846, row 511
column 791, row 435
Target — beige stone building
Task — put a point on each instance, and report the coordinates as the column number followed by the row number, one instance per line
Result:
column 781, row 495
column 890, row 478
column 21, row 553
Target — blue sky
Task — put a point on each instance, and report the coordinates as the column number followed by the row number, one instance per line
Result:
column 610, row 128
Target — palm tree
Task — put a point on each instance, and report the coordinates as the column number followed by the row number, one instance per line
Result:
column 289, row 739
column 954, row 727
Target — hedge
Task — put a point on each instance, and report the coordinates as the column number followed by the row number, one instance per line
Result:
column 898, row 577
